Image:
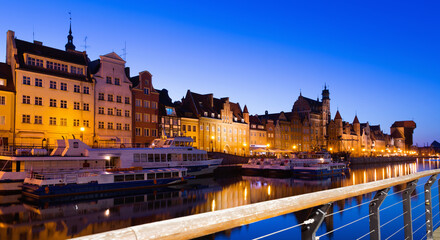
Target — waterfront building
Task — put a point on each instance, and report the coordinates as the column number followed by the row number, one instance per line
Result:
column 257, row 135
column 112, row 108
column 7, row 103
column 281, row 130
column 402, row 132
column 145, row 109
column 169, row 125
column 54, row 92
column 220, row 125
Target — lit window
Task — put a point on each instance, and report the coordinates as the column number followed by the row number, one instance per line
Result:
column 63, row 86
column 38, row 82
column 26, row 80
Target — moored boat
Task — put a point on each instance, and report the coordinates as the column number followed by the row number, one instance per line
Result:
column 85, row 182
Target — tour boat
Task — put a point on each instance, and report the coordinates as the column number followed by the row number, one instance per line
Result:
column 60, row 184
column 68, row 155
column 171, row 152
column 305, row 164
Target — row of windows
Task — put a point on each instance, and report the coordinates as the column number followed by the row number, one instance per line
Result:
column 138, row 103
column 218, row 129
column 54, row 66
column 113, row 111
column 112, row 126
column 146, row 132
column 146, row 118
column 53, row 103
column 110, row 98
column 26, row 118
column 116, row 81
column 258, row 134
column 38, row 82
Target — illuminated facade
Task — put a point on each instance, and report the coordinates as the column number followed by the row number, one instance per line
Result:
column 169, row 125
column 145, row 109
column 221, row 125
column 257, row 134
column 54, row 92
column 113, row 110
column 7, row 102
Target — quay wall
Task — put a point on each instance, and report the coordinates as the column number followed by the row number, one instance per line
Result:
column 375, row 160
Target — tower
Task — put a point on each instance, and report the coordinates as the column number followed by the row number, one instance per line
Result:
column 326, row 105
column 357, row 126
column 69, row 45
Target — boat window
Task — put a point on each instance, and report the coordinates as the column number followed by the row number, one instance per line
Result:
column 136, row 157
column 163, row 157
column 139, row 176
column 150, row 176
column 150, row 158
column 205, row 156
column 159, row 175
column 156, row 157
column 143, row 157
column 169, row 157
column 129, row 177
column 167, row 175
column 176, row 143
column 175, row 174
column 185, row 157
column 119, row 178
column 199, row 157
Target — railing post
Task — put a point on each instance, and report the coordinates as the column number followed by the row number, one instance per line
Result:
column 407, row 216
column 308, row 230
column 374, row 213
column 428, row 206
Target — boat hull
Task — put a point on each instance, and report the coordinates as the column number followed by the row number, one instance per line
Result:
column 10, row 186
column 42, row 192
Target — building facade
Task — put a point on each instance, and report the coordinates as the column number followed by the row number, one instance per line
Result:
column 7, row 106
column 145, row 109
column 169, row 125
column 54, row 92
column 112, row 108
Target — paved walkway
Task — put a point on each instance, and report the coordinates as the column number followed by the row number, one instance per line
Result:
column 437, row 234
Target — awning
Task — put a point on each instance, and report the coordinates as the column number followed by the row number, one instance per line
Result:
column 30, row 134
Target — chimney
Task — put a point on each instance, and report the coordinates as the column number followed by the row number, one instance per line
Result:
column 266, row 112
column 38, row 43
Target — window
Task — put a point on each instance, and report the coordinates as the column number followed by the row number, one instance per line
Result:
column 146, row 91
column 38, row 120
column 138, row 103
column 86, row 107
column 109, row 80
column 2, row 82
column 76, row 70
column 184, row 128
column 137, row 117
column 26, row 80
column 86, row 123
column 76, row 88
column 101, row 125
column 110, row 125
column 110, row 98
column 86, row 90
column 127, row 127
column 100, row 96
column 52, row 121
column 53, row 102
column 26, row 118
column 118, row 126
column 146, row 117
column 201, row 127
column 127, row 113
column 101, row 110
column 153, row 132
column 2, row 100
column 26, row 99
column 127, row 100
column 53, row 85
column 63, row 86
column 117, row 82
column 194, row 128
column 110, row 111
column 38, row 82
column 76, row 105
column 63, row 104
column 63, row 121
column 146, row 104
column 154, row 105
column 118, row 112
column 63, row 67
column 146, row 132
column 154, row 118
column 119, row 99
column 137, row 131
column 76, row 122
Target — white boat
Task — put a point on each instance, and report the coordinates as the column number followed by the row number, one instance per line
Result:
column 69, row 155
column 163, row 153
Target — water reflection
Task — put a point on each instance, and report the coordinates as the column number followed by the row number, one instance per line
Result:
column 60, row 220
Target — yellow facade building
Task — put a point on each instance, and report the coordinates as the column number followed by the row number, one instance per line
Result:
column 7, row 103
column 54, row 92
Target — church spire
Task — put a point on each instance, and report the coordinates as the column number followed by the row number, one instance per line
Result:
column 69, row 45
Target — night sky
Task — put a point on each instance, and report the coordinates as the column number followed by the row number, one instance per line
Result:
column 380, row 59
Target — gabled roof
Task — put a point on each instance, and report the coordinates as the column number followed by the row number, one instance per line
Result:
column 356, row 120
column 94, row 66
column 303, row 104
column 405, row 124
column 6, row 73
column 115, row 56
column 338, row 115
column 435, row 144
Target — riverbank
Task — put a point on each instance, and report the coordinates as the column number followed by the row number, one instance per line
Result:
column 371, row 160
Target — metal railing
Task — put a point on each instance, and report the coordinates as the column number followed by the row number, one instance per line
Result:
column 211, row 222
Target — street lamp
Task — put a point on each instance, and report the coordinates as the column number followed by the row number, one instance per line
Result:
column 82, row 129
column 244, row 148
column 212, row 143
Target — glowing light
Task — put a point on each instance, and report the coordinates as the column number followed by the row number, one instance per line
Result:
column 107, row 212
column 212, row 137
column 268, row 145
column 107, row 157
column 268, row 191
column 213, row 205
column 82, row 129
column 245, row 194
column 294, row 146
column 331, row 149
column 352, row 149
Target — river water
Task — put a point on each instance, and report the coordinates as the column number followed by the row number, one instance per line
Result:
column 67, row 218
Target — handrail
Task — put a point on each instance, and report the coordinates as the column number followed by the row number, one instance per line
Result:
column 211, row 222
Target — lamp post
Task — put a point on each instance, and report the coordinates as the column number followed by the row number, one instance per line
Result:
column 212, row 143
column 82, row 129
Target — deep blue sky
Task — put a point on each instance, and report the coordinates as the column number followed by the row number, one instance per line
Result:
column 379, row 58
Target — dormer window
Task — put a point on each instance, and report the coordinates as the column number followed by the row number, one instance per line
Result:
column 212, row 114
column 219, row 116
column 235, row 119
column 206, row 114
column 109, row 80
column 2, row 82
column 242, row 120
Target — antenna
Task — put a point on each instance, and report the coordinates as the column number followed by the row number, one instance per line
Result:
column 85, row 44
column 33, row 33
column 124, row 51
column 70, row 16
